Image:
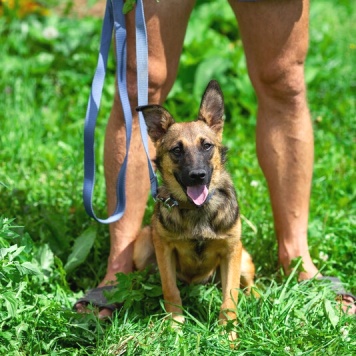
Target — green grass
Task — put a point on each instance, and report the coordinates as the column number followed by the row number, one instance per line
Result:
column 50, row 251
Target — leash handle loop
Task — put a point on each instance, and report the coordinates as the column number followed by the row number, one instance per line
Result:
column 114, row 19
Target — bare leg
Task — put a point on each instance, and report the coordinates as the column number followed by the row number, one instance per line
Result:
column 275, row 37
column 165, row 38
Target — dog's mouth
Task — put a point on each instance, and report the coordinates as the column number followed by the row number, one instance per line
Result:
column 196, row 191
column 198, row 194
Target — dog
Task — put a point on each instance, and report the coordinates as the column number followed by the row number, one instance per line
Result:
column 196, row 226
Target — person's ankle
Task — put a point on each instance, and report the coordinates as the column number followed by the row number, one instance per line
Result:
column 107, row 282
column 308, row 269
column 112, row 271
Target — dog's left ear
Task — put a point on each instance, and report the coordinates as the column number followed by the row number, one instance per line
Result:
column 212, row 107
column 157, row 119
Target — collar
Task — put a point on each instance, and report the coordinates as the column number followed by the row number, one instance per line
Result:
column 170, row 202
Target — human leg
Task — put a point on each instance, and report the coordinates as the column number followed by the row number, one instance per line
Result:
column 275, row 37
column 165, row 40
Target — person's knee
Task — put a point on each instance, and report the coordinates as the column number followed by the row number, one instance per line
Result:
column 281, row 83
column 158, row 82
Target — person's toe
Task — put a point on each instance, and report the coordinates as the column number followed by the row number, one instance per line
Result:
column 81, row 308
column 348, row 304
column 105, row 313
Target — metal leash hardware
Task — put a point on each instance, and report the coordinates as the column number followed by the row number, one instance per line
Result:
column 169, row 203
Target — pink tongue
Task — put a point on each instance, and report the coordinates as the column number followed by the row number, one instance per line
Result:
column 198, row 194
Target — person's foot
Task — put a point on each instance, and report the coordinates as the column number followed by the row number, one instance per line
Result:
column 311, row 271
column 102, row 311
column 120, row 260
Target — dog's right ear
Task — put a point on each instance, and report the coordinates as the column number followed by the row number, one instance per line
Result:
column 157, row 119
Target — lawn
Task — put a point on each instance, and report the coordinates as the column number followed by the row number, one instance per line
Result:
column 50, row 251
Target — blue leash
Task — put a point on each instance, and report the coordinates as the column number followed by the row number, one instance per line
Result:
column 114, row 19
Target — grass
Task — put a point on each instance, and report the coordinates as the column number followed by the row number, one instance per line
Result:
column 50, row 251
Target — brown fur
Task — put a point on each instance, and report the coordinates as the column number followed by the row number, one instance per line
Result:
column 191, row 242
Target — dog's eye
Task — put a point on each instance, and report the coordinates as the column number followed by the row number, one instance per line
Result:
column 177, row 150
column 207, row 146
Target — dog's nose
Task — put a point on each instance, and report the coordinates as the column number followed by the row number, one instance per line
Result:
column 197, row 174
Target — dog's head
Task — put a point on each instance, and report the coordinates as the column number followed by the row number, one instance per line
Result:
column 190, row 155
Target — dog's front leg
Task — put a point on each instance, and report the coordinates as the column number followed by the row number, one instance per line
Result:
column 167, row 269
column 230, row 268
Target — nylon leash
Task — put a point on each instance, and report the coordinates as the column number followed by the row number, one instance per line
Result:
column 114, row 19
column 142, row 85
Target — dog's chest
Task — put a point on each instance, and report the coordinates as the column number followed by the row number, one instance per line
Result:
column 199, row 247
column 189, row 226
column 196, row 259
column 198, row 251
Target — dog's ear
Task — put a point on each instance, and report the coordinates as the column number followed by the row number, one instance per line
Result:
column 212, row 107
column 157, row 119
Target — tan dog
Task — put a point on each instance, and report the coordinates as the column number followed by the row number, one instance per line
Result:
column 196, row 225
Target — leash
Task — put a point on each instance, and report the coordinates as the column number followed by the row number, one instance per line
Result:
column 114, row 20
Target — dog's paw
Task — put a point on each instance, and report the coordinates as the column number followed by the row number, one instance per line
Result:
column 176, row 323
column 229, row 326
column 232, row 335
column 178, row 319
column 232, row 338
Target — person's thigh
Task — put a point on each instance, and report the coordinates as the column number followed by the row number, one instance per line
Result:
column 166, row 23
column 275, row 38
